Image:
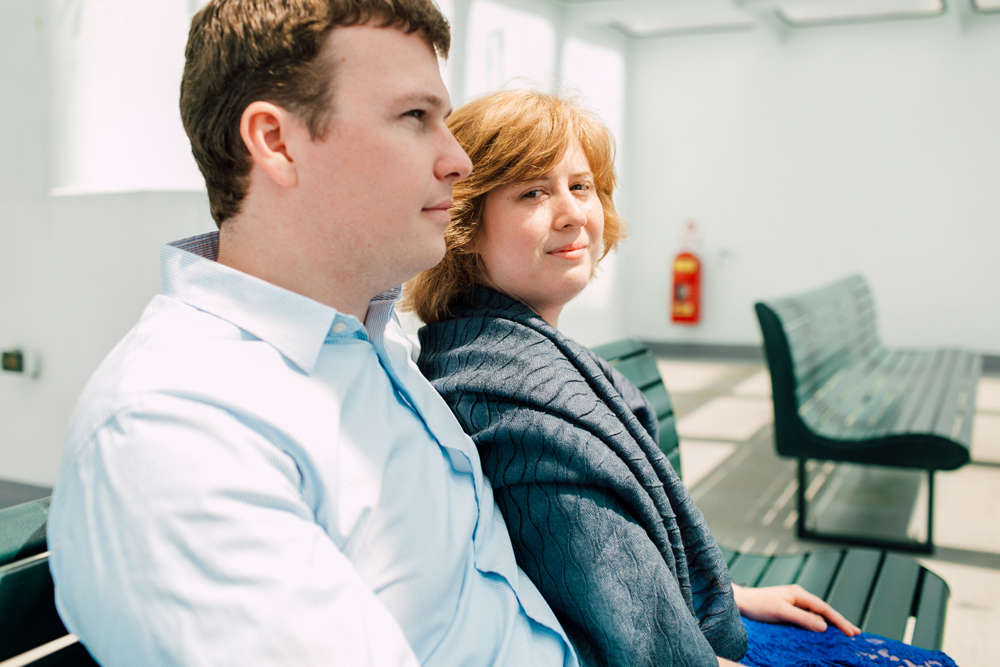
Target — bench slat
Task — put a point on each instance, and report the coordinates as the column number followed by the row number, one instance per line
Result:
column 727, row 554
column 853, row 395
column 929, row 629
column 943, row 418
column 74, row 655
column 891, row 599
column 782, row 570
column 954, row 402
column 28, row 615
column 964, row 434
column 884, row 408
column 619, row 349
column 849, row 593
column 746, row 569
column 641, row 370
column 818, row 571
column 23, row 530
column 919, row 414
column 869, row 377
column 659, row 398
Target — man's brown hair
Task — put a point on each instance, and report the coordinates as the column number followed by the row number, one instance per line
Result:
column 512, row 137
column 242, row 51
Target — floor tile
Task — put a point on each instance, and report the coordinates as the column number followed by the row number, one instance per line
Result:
column 685, row 377
column 986, row 438
column 757, row 385
column 988, row 395
column 727, row 418
column 700, row 457
column 967, row 509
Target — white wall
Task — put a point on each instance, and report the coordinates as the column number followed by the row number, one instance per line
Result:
column 809, row 155
column 75, row 271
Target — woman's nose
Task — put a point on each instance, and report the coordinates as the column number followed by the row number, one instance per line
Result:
column 570, row 211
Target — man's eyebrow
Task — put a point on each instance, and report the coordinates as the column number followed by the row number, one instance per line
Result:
column 428, row 99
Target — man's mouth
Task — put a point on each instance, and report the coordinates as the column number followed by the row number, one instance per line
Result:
column 440, row 211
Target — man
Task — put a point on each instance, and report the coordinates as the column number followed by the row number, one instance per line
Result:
column 257, row 474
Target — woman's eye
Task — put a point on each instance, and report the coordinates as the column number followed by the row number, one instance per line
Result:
column 532, row 194
column 580, row 186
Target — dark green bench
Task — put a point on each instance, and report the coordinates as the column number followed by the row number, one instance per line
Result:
column 880, row 592
column 28, row 618
column 840, row 395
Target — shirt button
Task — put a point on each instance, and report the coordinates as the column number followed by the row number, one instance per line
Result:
column 339, row 328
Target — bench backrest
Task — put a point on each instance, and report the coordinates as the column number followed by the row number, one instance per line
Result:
column 809, row 337
column 633, row 360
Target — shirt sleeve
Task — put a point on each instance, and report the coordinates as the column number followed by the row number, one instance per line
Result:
column 181, row 535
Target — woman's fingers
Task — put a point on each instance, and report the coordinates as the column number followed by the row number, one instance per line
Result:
column 807, row 601
column 804, row 619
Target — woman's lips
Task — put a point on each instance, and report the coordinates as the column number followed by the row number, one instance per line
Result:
column 572, row 251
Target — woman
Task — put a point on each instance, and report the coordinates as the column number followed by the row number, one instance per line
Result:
column 598, row 518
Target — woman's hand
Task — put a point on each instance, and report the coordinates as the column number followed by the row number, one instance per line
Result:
column 790, row 604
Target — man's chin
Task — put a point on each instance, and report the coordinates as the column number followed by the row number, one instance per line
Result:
column 427, row 260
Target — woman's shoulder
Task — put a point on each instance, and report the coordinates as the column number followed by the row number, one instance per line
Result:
column 486, row 324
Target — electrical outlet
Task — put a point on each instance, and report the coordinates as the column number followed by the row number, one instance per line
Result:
column 13, row 360
column 26, row 362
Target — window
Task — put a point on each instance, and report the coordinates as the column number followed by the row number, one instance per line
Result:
column 598, row 74
column 116, row 124
column 507, row 48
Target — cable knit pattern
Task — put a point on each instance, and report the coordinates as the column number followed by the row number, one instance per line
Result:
column 598, row 517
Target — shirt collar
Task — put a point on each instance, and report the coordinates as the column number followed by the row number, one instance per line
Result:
column 294, row 324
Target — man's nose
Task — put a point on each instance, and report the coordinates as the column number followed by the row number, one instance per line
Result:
column 453, row 164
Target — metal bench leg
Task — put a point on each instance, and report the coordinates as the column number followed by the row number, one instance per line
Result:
column 804, row 532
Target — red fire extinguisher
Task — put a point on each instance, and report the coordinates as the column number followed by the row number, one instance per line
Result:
column 686, row 306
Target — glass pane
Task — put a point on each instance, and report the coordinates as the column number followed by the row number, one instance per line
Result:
column 508, row 48
column 117, row 71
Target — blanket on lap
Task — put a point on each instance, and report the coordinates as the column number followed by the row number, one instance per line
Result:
column 786, row 646
column 598, row 518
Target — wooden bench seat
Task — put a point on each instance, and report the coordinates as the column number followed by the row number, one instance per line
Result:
column 883, row 593
column 840, row 395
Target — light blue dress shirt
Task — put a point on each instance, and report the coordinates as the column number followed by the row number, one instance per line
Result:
column 252, row 478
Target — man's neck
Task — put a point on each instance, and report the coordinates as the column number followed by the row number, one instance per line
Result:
column 264, row 252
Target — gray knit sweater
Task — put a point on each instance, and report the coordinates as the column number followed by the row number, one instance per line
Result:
column 599, row 520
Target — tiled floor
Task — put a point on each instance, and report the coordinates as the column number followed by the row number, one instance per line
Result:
column 747, row 492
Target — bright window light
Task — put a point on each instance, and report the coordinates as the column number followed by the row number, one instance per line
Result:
column 597, row 74
column 683, row 19
column 827, row 11
column 115, row 123
column 987, row 5
column 508, row 48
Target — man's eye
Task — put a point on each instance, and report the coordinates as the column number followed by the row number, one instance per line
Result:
column 419, row 114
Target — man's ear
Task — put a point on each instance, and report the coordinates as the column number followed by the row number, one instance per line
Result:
column 267, row 131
